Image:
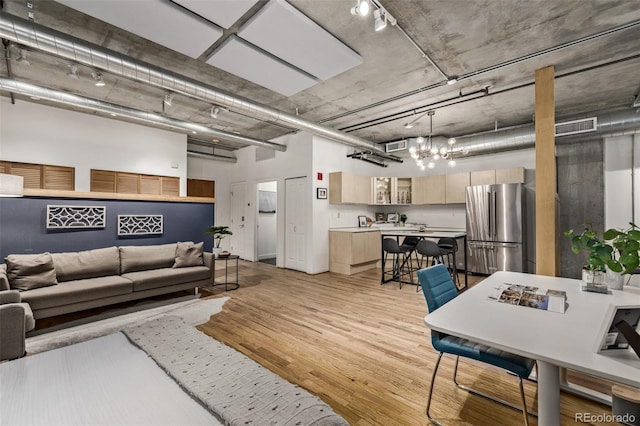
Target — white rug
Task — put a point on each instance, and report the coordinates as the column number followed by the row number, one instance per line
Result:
column 194, row 312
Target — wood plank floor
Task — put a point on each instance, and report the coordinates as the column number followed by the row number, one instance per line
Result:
column 362, row 348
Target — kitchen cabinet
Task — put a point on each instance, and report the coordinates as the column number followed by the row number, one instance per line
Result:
column 490, row 177
column 391, row 190
column 349, row 188
column 353, row 252
column 428, row 189
column 456, row 184
column 483, row 177
column 510, row 175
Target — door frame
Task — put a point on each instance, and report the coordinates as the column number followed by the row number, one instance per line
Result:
column 279, row 214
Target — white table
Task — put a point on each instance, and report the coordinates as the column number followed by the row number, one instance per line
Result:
column 555, row 340
column 430, row 234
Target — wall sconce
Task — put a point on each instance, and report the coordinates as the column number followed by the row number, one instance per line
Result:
column 11, row 185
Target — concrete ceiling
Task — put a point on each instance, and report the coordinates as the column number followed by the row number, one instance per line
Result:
column 479, row 41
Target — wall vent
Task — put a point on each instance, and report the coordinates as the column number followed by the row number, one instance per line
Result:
column 574, row 127
column 396, row 146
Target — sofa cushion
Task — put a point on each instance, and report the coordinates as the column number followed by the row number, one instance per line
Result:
column 188, row 254
column 142, row 258
column 145, row 280
column 30, row 271
column 87, row 264
column 77, row 291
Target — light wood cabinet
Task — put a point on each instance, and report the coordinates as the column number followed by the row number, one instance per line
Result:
column 429, row 189
column 349, row 188
column 483, row 177
column 391, row 190
column 510, row 175
column 353, row 252
column 41, row 176
column 456, row 184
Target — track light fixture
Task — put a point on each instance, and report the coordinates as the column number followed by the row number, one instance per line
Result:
column 214, row 111
column 381, row 17
column 98, row 78
column 168, row 99
column 361, row 8
column 73, row 73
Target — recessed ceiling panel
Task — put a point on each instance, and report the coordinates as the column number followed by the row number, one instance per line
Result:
column 159, row 21
column 223, row 12
column 244, row 60
column 285, row 32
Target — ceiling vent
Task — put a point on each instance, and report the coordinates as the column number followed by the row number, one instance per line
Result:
column 396, row 146
column 577, row 126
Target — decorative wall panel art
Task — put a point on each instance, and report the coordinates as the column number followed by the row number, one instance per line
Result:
column 76, row 217
column 139, row 224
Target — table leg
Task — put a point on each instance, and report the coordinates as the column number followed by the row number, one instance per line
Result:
column 548, row 394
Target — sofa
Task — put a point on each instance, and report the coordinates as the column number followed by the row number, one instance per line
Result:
column 58, row 283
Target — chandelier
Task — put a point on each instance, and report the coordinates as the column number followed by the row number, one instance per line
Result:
column 426, row 152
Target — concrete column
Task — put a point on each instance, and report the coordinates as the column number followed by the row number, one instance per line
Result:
column 547, row 259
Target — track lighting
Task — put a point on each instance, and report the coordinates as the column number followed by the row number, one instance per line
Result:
column 98, row 78
column 214, row 111
column 168, row 99
column 380, row 20
column 73, row 73
column 452, row 80
column 361, row 8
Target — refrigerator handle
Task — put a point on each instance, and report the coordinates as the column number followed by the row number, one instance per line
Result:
column 494, row 227
column 489, row 215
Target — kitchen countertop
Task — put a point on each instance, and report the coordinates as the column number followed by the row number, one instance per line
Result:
column 389, row 228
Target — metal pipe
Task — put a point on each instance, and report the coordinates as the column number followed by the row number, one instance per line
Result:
column 83, row 52
column 65, row 98
column 207, row 156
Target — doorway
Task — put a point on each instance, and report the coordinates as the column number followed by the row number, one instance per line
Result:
column 267, row 223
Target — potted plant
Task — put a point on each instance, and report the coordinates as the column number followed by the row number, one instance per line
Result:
column 218, row 233
column 403, row 219
column 616, row 251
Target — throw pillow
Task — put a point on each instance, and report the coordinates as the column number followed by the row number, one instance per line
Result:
column 29, row 271
column 188, row 254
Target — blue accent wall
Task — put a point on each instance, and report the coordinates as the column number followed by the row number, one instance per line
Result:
column 23, row 225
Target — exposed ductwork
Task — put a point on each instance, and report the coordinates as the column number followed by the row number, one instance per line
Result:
column 79, row 51
column 216, row 157
column 27, row 89
column 610, row 123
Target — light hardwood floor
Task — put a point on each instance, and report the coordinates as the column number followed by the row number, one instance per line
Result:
column 362, row 348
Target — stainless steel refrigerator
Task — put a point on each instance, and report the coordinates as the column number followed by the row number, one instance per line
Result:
column 496, row 228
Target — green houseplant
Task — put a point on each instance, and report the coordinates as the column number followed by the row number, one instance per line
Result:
column 218, row 233
column 403, row 219
column 617, row 250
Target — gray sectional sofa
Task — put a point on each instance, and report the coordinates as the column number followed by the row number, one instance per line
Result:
column 59, row 283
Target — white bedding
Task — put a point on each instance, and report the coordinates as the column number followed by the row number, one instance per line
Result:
column 103, row 381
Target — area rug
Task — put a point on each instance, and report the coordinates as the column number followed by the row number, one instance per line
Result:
column 227, row 382
column 194, row 312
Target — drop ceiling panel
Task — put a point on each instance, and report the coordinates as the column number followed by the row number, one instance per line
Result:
column 244, row 60
column 223, row 12
column 283, row 31
column 159, row 21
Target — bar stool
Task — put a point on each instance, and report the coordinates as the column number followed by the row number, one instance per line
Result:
column 449, row 247
column 429, row 249
column 401, row 263
column 409, row 243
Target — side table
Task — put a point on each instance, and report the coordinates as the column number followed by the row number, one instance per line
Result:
column 234, row 284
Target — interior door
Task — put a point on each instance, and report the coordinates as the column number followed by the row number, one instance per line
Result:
column 295, row 220
column 238, row 214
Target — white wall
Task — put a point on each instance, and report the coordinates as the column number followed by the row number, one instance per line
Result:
column 35, row 133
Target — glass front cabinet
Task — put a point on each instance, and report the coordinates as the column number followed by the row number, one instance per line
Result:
column 391, row 190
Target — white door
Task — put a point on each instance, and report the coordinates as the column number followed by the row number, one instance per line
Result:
column 295, row 219
column 238, row 215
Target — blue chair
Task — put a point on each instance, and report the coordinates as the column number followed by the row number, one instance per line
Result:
column 438, row 289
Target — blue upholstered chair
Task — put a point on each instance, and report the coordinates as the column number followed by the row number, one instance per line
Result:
column 438, row 289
